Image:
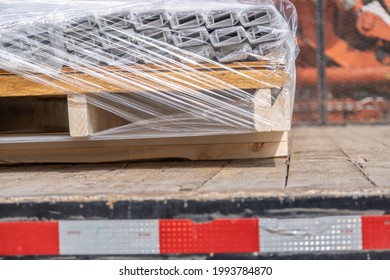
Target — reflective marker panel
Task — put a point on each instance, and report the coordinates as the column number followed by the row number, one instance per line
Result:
column 109, row 237
column 334, row 233
column 218, row 236
column 376, row 232
column 28, row 238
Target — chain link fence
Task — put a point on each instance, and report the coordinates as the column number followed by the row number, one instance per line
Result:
column 343, row 69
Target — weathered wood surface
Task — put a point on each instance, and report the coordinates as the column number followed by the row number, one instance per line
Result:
column 325, row 161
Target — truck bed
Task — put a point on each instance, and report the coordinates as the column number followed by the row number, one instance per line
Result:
column 323, row 161
column 337, row 177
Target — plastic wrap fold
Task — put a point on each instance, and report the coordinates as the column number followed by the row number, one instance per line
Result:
column 165, row 68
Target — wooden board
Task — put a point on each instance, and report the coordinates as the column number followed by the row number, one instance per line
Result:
column 132, row 79
column 317, row 162
column 254, row 145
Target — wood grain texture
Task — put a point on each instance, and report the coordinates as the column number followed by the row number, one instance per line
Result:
column 132, row 80
column 317, row 162
column 86, row 119
column 367, row 150
column 255, row 145
column 318, row 167
column 248, row 175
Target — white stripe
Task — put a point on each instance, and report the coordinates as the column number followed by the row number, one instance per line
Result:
column 332, row 233
column 105, row 237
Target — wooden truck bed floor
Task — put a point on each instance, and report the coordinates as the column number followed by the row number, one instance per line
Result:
column 342, row 161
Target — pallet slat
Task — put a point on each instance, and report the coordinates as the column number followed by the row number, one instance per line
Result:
column 11, row 85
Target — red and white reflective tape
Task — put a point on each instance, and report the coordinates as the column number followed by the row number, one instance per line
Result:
column 172, row 236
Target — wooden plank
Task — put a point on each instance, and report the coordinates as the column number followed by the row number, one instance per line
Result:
column 183, row 177
column 317, row 162
column 79, row 120
column 366, row 148
column 11, row 85
column 81, row 179
column 261, row 64
column 271, row 113
column 248, row 176
column 149, row 180
column 255, row 145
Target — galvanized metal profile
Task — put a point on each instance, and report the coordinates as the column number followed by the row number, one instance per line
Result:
column 14, row 45
column 275, row 50
column 157, row 55
column 114, row 21
column 186, row 20
column 86, row 58
column 259, row 34
column 190, row 37
column 89, row 39
column 148, row 20
column 228, row 36
column 221, row 18
column 80, row 24
column 197, row 54
column 151, row 38
column 117, row 38
column 38, row 40
column 120, row 56
column 257, row 16
column 233, row 53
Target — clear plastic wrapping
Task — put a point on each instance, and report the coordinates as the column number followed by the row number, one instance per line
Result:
column 166, row 68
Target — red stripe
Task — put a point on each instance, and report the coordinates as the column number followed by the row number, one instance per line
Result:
column 218, row 236
column 29, row 238
column 376, row 232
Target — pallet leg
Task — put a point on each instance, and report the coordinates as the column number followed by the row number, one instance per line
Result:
column 86, row 119
column 271, row 114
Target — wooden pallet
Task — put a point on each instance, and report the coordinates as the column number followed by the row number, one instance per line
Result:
column 33, row 110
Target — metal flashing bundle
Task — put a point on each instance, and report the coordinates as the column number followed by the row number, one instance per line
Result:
column 170, row 69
